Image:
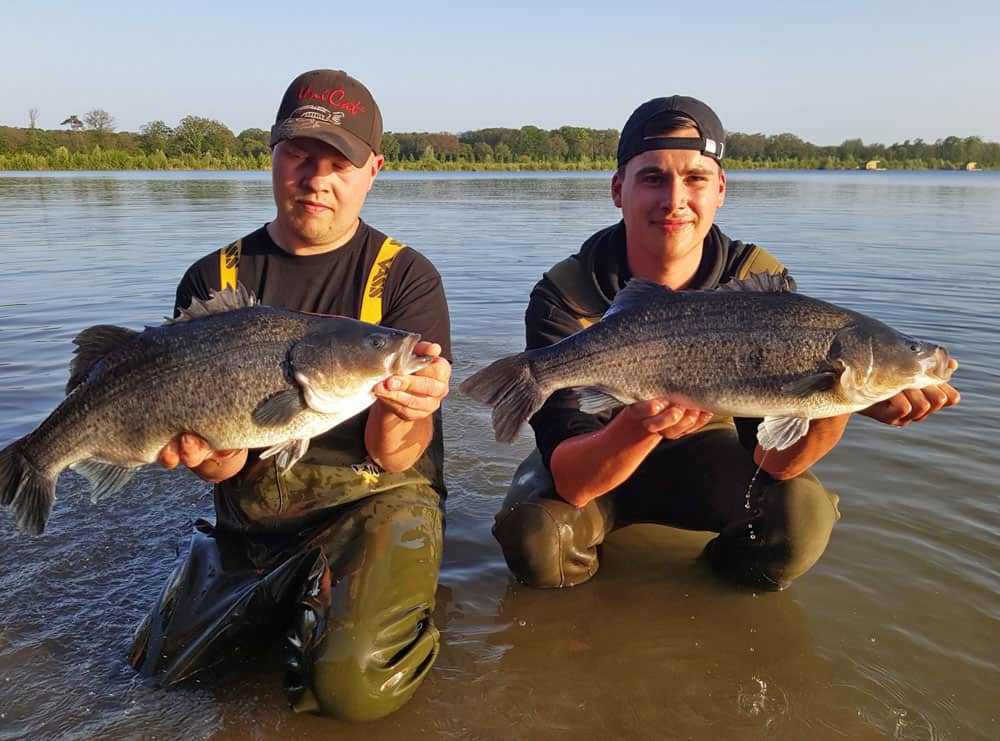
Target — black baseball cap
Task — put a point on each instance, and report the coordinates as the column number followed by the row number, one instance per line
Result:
column 330, row 105
column 642, row 132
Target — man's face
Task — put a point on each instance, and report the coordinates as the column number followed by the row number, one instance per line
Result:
column 668, row 199
column 318, row 194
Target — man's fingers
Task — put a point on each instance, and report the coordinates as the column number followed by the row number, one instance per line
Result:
column 169, row 456
column 427, row 348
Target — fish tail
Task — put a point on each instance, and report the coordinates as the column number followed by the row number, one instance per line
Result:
column 509, row 386
column 26, row 491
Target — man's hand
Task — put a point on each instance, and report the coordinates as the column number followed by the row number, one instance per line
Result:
column 417, row 395
column 192, row 451
column 914, row 405
column 669, row 421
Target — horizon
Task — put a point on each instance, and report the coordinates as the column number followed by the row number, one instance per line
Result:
column 857, row 73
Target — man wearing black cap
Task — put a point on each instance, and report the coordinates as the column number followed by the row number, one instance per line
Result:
column 341, row 552
column 657, row 462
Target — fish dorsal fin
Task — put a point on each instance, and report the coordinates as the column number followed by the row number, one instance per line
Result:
column 228, row 299
column 637, row 292
column 759, row 283
column 92, row 344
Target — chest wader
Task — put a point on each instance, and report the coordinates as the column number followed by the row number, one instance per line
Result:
column 698, row 483
column 342, row 556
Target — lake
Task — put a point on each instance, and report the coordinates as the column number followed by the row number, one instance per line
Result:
column 894, row 634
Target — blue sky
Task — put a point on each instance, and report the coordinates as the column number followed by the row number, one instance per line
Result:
column 882, row 71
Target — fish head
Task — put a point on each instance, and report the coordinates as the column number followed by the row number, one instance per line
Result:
column 341, row 358
column 876, row 362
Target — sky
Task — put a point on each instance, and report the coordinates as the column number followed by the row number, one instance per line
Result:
column 880, row 71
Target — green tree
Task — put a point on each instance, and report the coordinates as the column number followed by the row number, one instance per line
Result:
column 196, row 135
column 482, row 151
column 390, row 146
column 154, row 137
column 254, row 142
column 529, row 141
column 556, row 147
column 100, row 125
column 579, row 142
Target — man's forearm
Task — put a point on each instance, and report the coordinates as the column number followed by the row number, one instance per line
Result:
column 822, row 437
column 395, row 443
column 586, row 466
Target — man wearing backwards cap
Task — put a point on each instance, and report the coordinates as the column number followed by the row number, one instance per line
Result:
column 342, row 551
column 655, row 461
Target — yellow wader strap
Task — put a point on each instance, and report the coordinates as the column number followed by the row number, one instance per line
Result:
column 371, row 299
column 229, row 263
column 758, row 260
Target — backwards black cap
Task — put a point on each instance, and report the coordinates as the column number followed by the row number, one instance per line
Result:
column 642, row 132
column 331, row 106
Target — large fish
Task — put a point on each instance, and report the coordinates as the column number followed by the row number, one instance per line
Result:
column 239, row 374
column 751, row 348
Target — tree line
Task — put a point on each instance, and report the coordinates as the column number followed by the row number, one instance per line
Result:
column 90, row 142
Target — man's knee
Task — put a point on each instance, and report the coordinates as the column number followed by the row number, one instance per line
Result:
column 810, row 512
column 547, row 543
column 357, row 677
column 787, row 533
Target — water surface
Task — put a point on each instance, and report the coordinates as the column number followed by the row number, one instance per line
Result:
column 892, row 635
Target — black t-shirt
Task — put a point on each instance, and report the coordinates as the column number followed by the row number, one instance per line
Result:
column 333, row 282
column 552, row 314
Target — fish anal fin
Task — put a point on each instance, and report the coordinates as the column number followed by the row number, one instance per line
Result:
column 105, row 478
column 287, row 453
column 778, row 433
column 278, row 409
column 594, row 400
column 92, row 344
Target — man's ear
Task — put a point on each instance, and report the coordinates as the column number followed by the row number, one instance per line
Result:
column 616, row 189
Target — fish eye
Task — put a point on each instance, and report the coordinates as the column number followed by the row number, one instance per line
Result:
column 915, row 347
column 378, row 341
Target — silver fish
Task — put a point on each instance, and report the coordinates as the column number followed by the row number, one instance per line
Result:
column 237, row 373
column 751, row 348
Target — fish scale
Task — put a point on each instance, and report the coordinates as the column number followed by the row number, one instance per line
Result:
column 225, row 370
column 751, row 349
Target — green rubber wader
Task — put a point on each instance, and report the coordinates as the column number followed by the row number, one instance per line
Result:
column 351, row 584
column 699, row 482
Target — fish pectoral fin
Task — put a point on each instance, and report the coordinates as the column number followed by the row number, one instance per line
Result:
column 288, row 453
column 278, row 409
column 595, row 400
column 105, row 478
column 811, row 384
column 778, row 433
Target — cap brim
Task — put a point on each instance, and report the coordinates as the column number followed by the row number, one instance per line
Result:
column 343, row 141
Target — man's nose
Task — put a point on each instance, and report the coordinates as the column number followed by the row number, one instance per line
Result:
column 316, row 171
column 673, row 195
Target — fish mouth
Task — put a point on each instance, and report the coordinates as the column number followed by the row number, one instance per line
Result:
column 936, row 365
column 405, row 361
